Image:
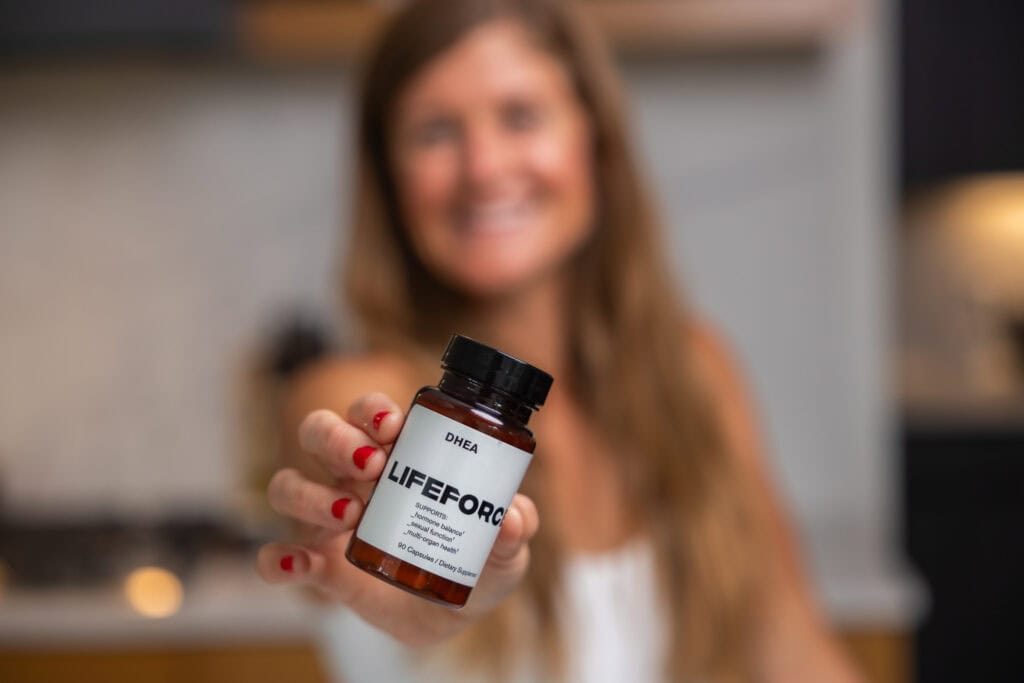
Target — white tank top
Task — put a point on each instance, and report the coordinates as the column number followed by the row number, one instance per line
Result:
column 616, row 630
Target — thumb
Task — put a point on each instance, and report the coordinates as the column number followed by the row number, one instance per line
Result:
column 510, row 557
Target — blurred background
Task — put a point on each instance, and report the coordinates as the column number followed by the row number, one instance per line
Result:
column 844, row 182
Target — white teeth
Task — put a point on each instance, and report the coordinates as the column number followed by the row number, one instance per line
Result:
column 497, row 216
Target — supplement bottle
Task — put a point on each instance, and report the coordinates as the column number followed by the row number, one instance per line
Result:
column 458, row 461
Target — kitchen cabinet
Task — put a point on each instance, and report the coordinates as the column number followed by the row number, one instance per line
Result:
column 254, row 663
column 883, row 656
column 963, row 479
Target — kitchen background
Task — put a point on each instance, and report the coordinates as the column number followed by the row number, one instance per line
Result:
column 172, row 184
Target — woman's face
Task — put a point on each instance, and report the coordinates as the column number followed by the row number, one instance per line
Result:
column 491, row 151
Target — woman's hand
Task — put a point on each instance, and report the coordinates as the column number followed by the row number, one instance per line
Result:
column 352, row 452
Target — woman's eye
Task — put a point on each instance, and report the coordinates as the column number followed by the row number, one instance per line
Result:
column 520, row 116
column 435, row 131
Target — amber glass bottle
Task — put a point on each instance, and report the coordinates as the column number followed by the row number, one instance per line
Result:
column 462, row 453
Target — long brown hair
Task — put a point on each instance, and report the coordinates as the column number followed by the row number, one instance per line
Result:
column 631, row 367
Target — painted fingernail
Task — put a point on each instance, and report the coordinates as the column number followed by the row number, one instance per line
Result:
column 361, row 455
column 379, row 417
column 338, row 508
column 288, row 563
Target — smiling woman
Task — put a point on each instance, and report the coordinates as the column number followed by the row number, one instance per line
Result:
column 498, row 197
column 490, row 151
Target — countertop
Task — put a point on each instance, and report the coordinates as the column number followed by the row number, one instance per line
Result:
column 226, row 603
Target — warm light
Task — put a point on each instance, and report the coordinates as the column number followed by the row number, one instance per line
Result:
column 153, row 592
column 985, row 219
column 993, row 206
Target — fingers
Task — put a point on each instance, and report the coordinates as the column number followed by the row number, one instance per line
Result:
column 343, row 449
column 285, row 563
column 509, row 559
column 378, row 416
column 295, row 496
column 517, row 528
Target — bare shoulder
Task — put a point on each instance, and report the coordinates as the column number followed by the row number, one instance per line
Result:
column 715, row 363
column 722, row 378
column 793, row 642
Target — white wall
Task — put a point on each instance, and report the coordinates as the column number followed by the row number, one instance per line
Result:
column 154, row 223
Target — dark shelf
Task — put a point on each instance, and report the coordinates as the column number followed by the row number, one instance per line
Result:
column 963, row 510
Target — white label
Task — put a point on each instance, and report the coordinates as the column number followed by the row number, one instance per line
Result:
column 443, row 494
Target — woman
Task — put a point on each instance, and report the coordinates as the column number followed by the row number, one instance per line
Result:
column 498, row 197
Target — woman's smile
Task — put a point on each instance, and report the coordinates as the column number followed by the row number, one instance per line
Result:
column 498, row 218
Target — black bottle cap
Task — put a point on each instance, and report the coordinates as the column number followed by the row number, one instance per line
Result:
column 489, row 366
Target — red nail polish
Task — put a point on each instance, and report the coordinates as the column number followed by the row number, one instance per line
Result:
column 288, row 563
column 379, row 417
column 338, row 508
column 361, row 455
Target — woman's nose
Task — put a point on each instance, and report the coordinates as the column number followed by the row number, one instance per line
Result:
column 487, row 155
